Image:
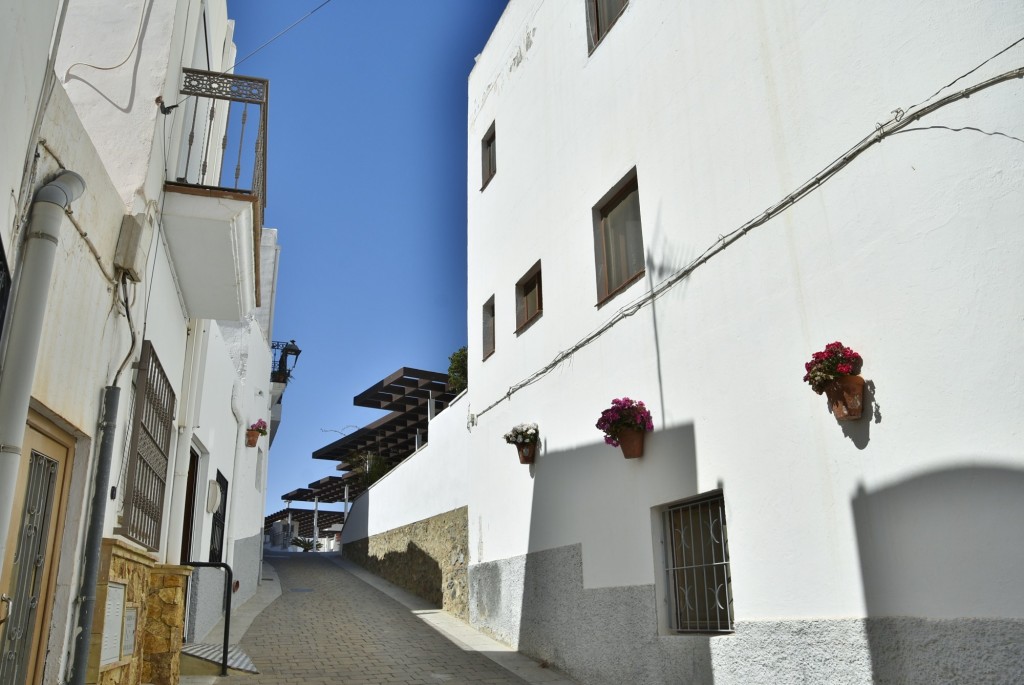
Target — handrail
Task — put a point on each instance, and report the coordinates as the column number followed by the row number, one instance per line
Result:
column 228, row 583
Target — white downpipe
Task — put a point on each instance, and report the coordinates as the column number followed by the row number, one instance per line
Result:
column 233, row 498
column 191, row 390
column 26, row 326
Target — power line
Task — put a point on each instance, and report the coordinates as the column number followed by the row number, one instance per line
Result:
column 900, row 120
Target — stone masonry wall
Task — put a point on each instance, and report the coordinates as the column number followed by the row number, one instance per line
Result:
column 164, row 624
column 129, row 566
column 427, row 558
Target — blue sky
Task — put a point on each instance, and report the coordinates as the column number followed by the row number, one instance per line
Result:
column 367, row 186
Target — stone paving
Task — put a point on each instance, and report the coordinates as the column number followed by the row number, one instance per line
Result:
column 329, row 627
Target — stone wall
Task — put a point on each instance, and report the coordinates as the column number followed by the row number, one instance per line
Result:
column 165, row 620
column 427, row 558
column 130, row 566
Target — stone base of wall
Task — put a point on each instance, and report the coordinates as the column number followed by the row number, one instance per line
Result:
column 607, row 636
column 165, row 622
column 130, row 566
column 427, row 558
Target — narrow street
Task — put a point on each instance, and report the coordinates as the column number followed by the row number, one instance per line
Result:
column 329, row 627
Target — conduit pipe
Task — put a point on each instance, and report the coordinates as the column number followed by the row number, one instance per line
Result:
column 94, row 535
column 26, row 326
column 232, row 507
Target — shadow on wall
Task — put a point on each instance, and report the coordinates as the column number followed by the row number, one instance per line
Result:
column 413, row 569
column 941, row 560
column 577, row 614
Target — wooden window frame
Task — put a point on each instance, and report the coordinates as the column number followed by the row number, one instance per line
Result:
column 488, row 157
column 524, row 286
column 488, row 329
column 596, row 22
column 612, row 199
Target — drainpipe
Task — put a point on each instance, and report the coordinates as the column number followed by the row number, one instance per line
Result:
column 26, row 326
column 236, row 409
column 94, row 535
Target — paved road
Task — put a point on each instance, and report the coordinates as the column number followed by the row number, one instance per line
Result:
column 330, row 628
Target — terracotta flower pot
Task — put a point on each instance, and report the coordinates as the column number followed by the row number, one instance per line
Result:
column 631, row 441
column 527, row 452
column 251, row 438
column 846, row 397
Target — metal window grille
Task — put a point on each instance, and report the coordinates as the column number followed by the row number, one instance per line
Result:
column 697, row 559
column 148, row 452
column 5, row 286
column 219, row 519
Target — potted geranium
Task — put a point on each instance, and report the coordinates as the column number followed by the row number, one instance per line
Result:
column 835, row 371
column 624, row 425
column 252, row 435
column 525, row 437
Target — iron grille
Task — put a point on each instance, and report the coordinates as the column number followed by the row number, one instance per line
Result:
column 27, row 570
column 219, row 519
column 148, row 452
column 699, row 580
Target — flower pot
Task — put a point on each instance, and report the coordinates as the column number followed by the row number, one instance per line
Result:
column 251, row 438
column 631, row 441
column 527, row 452
column 846, row 397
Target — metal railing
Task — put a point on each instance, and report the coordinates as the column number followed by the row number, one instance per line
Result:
column 224, row 141
column 228, row 585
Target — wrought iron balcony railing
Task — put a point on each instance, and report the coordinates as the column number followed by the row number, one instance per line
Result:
column 224, row 141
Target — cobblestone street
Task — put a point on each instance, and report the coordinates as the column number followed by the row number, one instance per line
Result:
column 330, row 627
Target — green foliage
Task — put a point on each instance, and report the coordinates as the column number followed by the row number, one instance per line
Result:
column 371, row 466
column 305, row 544
column 458, row 374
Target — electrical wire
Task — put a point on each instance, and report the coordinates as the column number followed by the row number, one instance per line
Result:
column 900, row 121
column 135, row 45
column 965, row 75
column 265, row 44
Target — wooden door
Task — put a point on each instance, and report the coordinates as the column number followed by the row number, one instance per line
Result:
column 30, row 570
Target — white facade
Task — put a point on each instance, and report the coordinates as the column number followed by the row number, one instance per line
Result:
column 100, row 119
column 885, row 549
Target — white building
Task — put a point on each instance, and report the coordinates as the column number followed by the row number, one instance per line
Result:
column 136, row 343
column 660, row 208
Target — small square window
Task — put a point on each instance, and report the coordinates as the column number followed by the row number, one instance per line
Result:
column 618, row 239
column 488, row 328
column 488, row 162
column 529, row 298
column 698, row 579
column 601, row 16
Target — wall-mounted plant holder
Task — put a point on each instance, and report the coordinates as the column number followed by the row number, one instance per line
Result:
column 846, row 397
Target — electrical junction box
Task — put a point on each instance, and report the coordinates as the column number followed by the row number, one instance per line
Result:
column 132, row 250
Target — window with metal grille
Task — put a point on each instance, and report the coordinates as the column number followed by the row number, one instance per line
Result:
column 5, row 286
column 618, row 239
column 489, row 159
column 488, row 328
column 697, row 565
column 601, row 16
column 219, row 519
column 529, row 298
column 148, row 451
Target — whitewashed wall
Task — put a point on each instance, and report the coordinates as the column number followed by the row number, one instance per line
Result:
column 723, row 109
column 25, row 36
column 432, row 481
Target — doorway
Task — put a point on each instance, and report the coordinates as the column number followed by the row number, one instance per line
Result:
column 29, row 572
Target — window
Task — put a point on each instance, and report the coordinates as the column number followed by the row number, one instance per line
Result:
column 618, row 239
column 148, row 453
column 529, row 298
column 488, row 328
column 488, row 162
column 601, row 16
column 699, row 582
column 219, row 519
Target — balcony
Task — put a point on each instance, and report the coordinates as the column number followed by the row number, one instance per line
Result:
column 213, row 210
